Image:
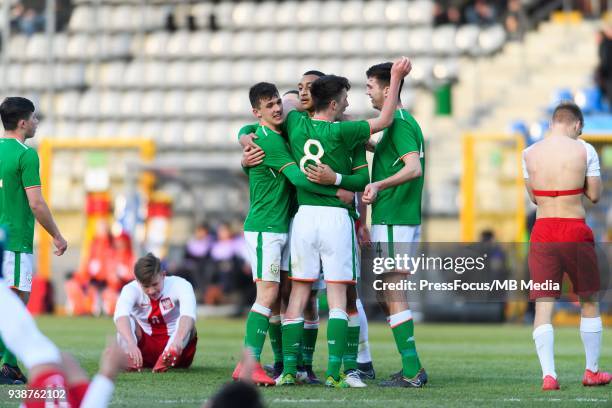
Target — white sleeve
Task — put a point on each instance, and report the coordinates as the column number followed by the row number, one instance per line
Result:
column 186, row 298
column 127, row 300
column 525, row 174
column 99, row 393
column 592, row 161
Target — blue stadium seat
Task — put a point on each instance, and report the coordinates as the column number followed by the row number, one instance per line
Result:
column 590, row 100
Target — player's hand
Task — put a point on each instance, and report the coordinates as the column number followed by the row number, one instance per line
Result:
column 347, row 197
column 401, row 67
column 321, row 174
column 60, row 245
column 177, row 346
column 113, row 360
column 248, row 140
column 370, row 193
column 135, row 355
column 363, row 236
column 371, row 145
column 252, row 156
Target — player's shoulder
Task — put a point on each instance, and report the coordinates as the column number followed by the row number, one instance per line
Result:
column 403, row 120
column 132, row 288
column 177, row 282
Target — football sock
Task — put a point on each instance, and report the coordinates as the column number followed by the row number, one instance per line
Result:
column 402, row 327
column 309, row 341
column 293, row 330
column 276, row 338
column 363, row 355
column 590, row 332
column 545, row 344
column 336, row 341
column 352, row 343
column 256, row 328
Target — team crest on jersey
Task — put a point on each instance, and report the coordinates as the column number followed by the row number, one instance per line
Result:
column 166, row 304
column 274, row 269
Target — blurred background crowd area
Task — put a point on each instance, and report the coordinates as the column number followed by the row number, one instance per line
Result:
column 142, row 100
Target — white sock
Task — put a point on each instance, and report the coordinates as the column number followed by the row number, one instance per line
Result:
column 590, row 332
column 544, row 338
column 364, row 346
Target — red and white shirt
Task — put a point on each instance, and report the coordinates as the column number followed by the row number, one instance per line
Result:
column 157, row 316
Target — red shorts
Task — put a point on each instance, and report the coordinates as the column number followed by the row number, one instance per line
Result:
column 152, row 347
column 559, row 245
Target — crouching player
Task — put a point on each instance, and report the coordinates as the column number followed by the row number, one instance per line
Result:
column 155, row 318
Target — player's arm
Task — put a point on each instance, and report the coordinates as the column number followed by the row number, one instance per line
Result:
column 30, row 180
column 187, row 317
column 399, row 70
column 412, row 169
column 125, row 304
column 528, row 186
column 593, row 187
column 252, row 155
column 356, row 181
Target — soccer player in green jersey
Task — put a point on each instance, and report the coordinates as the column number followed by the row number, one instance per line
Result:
column 267, row 224
column 323, row 231
column 21, row 201
column 398, row 171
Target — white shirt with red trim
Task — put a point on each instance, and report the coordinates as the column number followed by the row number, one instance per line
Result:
column 157, row 316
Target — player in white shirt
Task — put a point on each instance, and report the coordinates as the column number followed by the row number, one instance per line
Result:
column 155, row 318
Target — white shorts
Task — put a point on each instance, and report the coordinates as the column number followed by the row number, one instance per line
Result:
column 266, row 254
column 323, row 237
column 18, row 268
column 389, row 240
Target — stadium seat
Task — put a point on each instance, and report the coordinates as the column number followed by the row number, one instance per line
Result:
column 264, row 44
column 374, row 12
column 178, row 46
column 491, row 39
column 218, row 73
column 334, row 66
column 350, row 13
column 287, row 14
column 397, row 40
column 422, row 70
column 396, row 11
column 110, row 104
column 220, row 43
column 70, row 75
column 332, row 13
column 60, row 44
column 307, row 41
column 445, row 69
column 112, row 73
column 196, row 103
column 241, row 74
column 265, row 14
column 242, row 14
column 352, row 41
column 119, row 45
column 238, row 103
column 174, row 103
column 420, row 12
column 67, row 103
column 65, row 129
column 560, row 95
column 86, row 130
column 155, row 74
column 134, row 74
column 77, row 44
column 262, row 69
column 372, row 40
column 158, row 44
column 307, row 14
column 197, row 45
column 194, row 133
column 36, row 48
column 152, row 130
column 466, row 38
column 155, row 17
column 443, row 40
column 152, row 104
column 286, row 41
column 354, row 69
column 199, row 74
column 420, row 41
column 82, row 19
column 590, row 100
column 172, row 133
column 330, row 42
column 34, row 77
column 286, row 73
column 124, row 17
column 129, row 129
column 16, row 45
column 89, row 105
column 130, row 104
column 177, row 73
column 108, row 130
column 306, row 64
column 217, row 134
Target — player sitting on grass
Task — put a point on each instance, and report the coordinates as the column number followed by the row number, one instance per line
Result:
column 267, row 224
column 155, row 318
column 558, row 172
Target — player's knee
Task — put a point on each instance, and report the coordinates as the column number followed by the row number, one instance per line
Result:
column 267, row 295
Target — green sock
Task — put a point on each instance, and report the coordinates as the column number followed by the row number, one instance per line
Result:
column 256, row 328
column 292, row 334
column 309, row 341
column 300, row 354
column 8, row 357
column 404, row 339
column 336, row 341
column 2, row 349
column 276, row 338
column 352, row 343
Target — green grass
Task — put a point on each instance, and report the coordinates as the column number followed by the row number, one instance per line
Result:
column 468, row 365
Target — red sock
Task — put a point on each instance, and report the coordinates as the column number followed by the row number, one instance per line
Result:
column 50, row 384
column 76, row 393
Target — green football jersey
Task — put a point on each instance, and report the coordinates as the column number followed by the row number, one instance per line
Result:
column 271, row 185
column 399, row 205
column 18, row 171
column 318, row 141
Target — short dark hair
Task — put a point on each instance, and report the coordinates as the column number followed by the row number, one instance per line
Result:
column 292, row 91
column 236, row 395
column 326, row 89
column 147, row 268
column 314, row 72
column 382, row 73
column 13, row 109
column 261, row 90
column 567, row 112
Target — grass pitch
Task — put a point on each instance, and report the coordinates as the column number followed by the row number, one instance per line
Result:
column 468, row 365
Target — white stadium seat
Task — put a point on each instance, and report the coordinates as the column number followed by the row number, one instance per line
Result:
column 351, row 13
column 152, row 129
column 265, row 15
column 217, row 134
column 87, row 130
column 156, row 44
column 215, row 103
column 238, row 103
column 286, row 41
column 307, row 42
column 129, row 129
column 286, row 73
column 108, row 130
column 422, row 70
column 374, row 12
column 352, row 41
column 218, row 72
column 373, row 40
column 262, row 70
column 286, row 14
column 112, row 73
column 60, row 44
column 130, row 104
column 177, row 45
column 34, row 77
column 77, row 46
column 194, row 133
column 420, row 12
column 196, row 103
column 89, row 105
column 443, row 40
column 198, row 44
column 264, row 43
column 446, row 69
column 119, row 45
column 16, row 47
column 331, row 13
column 243, row 13
column 152, row 104
column 174, row 103
column 220, row 43
column 110, row 104
column 330, row 42
column 198, row 75
column 172, row 133
column 67, row 103
column 491, row 39
column 134, row 74
column 82, row 19
column 420, row 41
column 397, row 40
column 396, row 11
column 177, row 73
column 467, row 38
column 307, row 13
column 155, row 74
column 241, row 73
column 37, row 47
